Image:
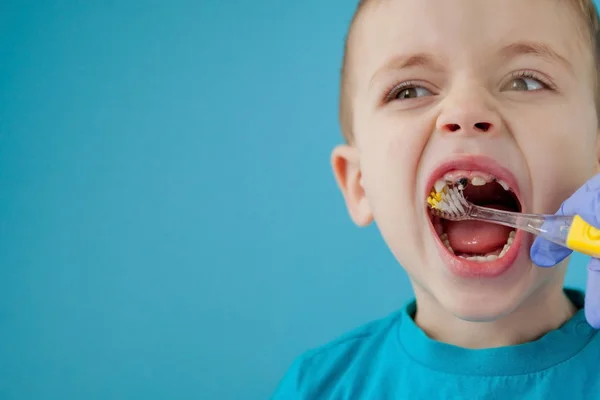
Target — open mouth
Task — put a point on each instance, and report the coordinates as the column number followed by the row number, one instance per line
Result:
column 477, row 241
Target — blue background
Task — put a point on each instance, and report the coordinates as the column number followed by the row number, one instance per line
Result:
column 169, row 223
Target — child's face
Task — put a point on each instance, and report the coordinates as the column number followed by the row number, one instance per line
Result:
column 505, row 86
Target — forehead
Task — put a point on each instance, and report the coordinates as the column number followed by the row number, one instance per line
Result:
column 463, row 31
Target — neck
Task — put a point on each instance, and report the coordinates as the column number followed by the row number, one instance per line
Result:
column 543, row 311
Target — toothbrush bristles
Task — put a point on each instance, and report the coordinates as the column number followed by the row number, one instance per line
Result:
column 449, row 204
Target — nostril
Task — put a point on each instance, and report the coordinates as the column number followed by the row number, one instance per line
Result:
column 483, row 126
column 452, row 127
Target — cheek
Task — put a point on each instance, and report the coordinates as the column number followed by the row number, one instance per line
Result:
column 559, row 147
column 558, row 166
column 391, row 160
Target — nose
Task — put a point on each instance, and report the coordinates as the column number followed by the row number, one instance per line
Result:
column 470, row 115
column 477, row 127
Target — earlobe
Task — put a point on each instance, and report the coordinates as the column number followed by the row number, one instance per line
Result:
column 346, row 169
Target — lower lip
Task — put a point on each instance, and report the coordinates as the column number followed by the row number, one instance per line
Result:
column 474, row 269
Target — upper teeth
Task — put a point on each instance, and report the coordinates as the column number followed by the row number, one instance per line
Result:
column 503, row 184
column 475, row 180
column 439, row 185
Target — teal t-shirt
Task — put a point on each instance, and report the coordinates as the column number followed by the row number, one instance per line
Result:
column 392, row 358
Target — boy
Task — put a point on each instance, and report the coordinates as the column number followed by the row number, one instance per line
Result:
column 499, row 97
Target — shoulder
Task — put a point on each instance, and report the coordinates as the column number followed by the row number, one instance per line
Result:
column 318, row 370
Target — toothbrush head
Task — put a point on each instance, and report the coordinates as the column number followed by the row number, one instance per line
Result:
column 449, row 204
column 434, row 200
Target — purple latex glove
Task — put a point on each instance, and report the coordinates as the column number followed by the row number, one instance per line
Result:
column 585, row 202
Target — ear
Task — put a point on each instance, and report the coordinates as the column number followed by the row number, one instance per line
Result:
column 346, row 168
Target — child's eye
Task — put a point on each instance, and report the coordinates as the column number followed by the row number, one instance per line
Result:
column 526, row 82
column 408, row 91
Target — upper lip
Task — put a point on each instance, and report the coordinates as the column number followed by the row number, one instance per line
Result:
column 474, row 163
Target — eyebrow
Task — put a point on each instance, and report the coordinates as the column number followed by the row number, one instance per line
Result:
column 407, row 61
column 537, row 49
column 510, row 51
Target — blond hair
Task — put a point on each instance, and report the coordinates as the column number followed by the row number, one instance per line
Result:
column 585, row 9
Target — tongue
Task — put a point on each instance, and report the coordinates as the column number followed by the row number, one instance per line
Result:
column 475, row 237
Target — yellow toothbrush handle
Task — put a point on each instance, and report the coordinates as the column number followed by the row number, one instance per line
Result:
column 584, row 238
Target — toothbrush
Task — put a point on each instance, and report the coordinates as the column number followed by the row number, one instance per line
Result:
column 567, row 231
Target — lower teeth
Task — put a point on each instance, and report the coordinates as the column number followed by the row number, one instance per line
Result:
column 481, row 258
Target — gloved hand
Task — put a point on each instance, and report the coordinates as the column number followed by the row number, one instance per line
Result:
column 585, row 202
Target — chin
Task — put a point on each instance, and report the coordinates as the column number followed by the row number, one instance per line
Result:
column 490, row 299
column 483, row 306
